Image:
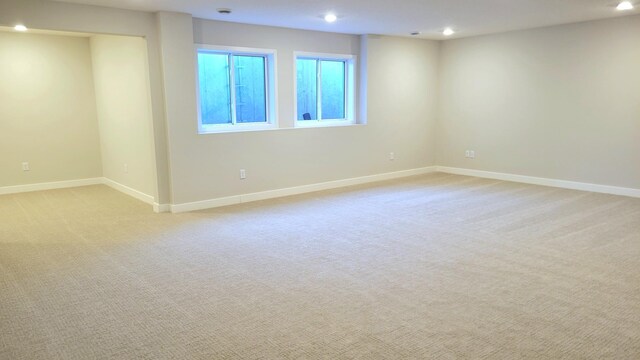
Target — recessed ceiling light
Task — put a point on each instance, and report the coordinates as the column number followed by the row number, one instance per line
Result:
column 625, row 5
column 224, row 11
column 448, row 32
column 330, row 18
column 20, row 27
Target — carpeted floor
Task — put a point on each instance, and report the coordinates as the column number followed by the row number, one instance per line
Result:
column 429, row 267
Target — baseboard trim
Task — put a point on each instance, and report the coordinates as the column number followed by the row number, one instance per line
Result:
column 49, row 186
column 158, row 208
column 565, row 184
column 86, row 182
column 161, row 208
column 270, row 194
column 129, row 191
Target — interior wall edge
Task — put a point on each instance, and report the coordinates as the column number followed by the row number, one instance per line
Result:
column 71, row 17
column 146, row 198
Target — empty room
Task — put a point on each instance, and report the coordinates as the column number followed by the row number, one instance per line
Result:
column 278, row 179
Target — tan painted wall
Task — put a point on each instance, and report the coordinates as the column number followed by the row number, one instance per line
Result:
column 560, row 102
column 40, row 14
column 401, row 72
column 123, row 101
column 47, row 109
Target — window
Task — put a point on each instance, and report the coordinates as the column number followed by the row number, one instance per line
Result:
column 324, row 89
column 236, row 89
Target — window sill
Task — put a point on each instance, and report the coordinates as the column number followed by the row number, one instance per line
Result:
column 305, row 124
column 213, row 129
column 233, row 131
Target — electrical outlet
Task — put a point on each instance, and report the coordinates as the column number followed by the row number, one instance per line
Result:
column 467, row 153
column 392, row 156
column 126, row 168
column 25, row 166
column 243, row 174
column 472, row 154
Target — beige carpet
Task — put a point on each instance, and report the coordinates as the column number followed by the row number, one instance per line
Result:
column 430, row 267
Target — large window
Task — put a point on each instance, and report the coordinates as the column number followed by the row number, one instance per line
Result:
column 236, row 89
column 324, row 89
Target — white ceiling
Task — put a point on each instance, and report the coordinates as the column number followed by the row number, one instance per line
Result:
column 47, row 32
column 389, row 17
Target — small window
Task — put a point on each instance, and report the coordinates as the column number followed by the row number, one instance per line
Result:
column 236, row 89
column 324, row 89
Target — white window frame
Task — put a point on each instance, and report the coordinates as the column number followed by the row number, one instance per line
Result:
column 271, row 90
column 350, row 89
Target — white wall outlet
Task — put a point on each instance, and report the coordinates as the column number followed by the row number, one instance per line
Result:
column 243, row 174
column 25, row 166
column 472, row 154
column 126, row 168
column 392, row 156
column 467, row 153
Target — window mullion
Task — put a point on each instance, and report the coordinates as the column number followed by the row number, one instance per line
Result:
column 267, row 99
column 334, row 74
column 319, row 89
column 232, row 86
column 346, row 89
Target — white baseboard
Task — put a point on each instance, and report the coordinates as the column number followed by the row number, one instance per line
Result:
column 85, row 182
column 565, row 184
column 161, row 208
column 270, row 194
column 49, row 185
column 129, row 191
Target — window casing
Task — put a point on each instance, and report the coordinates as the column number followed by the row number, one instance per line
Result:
column 236, row 89
column 324, row 89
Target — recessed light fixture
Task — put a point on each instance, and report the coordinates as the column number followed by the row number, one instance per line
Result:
column 330, row 18
column 20, row 27
column 625, row 5
column 224, row 11
column 448, row 32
